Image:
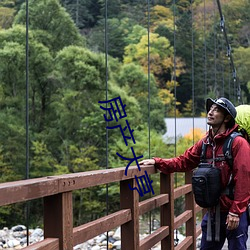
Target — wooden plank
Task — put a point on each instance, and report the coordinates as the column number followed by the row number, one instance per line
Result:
column 90, row 230
column 185, row 244
column 154, row 238
column 198, row 231
column 46, row 244
column 178, row 192
column 130, row 230
column 167, row 210
column 99, row 177
column 152, row 203
column 190, row 205
column 182, row 218
column 24, row 190
column 198, row 209
column 58, row 219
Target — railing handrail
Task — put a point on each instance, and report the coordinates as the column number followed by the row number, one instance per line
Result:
column 58, row 215
column 24, row 190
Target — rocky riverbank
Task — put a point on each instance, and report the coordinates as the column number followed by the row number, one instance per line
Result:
column 16, row 238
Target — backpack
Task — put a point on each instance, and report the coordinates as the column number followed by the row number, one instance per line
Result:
column 206, row 179
column 243, row 120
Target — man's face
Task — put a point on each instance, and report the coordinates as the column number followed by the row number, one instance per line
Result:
column 215, row 116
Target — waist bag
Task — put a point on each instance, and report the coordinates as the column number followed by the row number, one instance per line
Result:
column 206, row 179
column 206, row 185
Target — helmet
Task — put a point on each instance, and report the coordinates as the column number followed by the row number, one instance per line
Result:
column 223, row 103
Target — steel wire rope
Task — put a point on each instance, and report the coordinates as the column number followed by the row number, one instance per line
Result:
column 27, row 206
column 174, row 72
column 237, row 88
column 192, row 73
column 215, row 51
column 205, row 48
column 221, row 68
column 149, row 121
column 77, row 13
column 106, row 82
column 175, row 95
column 229, row 83
column 205, row 51
column 221, row 45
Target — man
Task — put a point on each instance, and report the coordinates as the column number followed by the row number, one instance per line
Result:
column 221, row 115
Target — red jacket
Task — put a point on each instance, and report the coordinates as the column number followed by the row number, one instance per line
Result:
column 241, row 167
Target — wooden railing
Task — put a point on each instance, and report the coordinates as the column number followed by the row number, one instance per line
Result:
column 59, row 232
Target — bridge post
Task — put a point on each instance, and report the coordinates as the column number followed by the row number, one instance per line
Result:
column 167, row 210
column 130, row 230
column 58, row 219
column 190, row 205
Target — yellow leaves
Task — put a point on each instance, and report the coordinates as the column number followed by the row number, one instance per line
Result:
column 188, row 109
column 166, row 96
column 195, row 134
column 161, row 16
column 171, row 85
column 159, row 53
column 179, row 66
column 160, row 12
column 203, row 114
column 189, row 139
column 6, row 17
column 170, row 102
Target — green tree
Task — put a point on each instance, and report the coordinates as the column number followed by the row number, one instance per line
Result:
column 42, row 163
column 161, row 57
column 136, row 83
column 53, row 25
column 6, row 17
column 117, row 31
column 242, row 64
column 84, row 13
column 12, row 113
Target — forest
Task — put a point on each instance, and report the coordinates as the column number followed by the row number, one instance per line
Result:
column 59, row 59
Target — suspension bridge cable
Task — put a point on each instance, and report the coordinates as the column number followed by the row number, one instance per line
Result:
column 192, row 73
column 229, row 52
column 27, row 89
column 215, row 52
column 149, row 122
column 27, row 207
column 106, row 82
column 174, row 72
column 205, row 49
column 221, row 68
column 175, row 95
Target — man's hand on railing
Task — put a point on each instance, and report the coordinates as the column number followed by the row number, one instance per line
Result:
column 147, row 162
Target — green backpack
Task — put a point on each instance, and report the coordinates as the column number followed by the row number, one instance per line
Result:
column 243, row 120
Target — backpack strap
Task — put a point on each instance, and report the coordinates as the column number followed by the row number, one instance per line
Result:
column 203, row 152
column 227, row 148
column 227, row 151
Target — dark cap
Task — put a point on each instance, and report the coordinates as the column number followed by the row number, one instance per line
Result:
column 223, row 103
